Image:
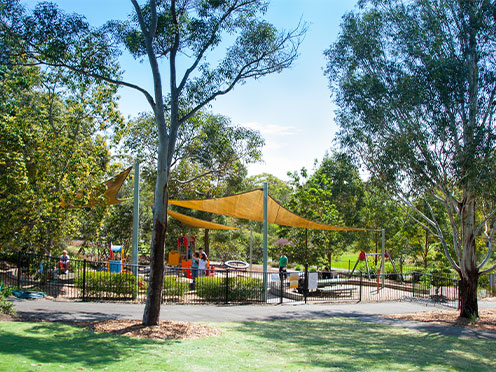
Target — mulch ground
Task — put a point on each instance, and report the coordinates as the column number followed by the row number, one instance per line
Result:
column 166, row 330
column 486, row 321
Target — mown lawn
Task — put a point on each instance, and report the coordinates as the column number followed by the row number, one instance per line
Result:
column 334, row 344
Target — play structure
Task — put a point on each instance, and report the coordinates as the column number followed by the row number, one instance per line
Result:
column 116, row 258
column 185, row 247
column 363, row 256
column 181, row 257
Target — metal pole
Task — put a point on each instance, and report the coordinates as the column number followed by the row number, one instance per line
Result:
column 383, row 255
column 265, row 240
column 251, row 246
column 136, row 226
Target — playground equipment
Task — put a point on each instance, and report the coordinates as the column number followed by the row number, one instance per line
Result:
column 363, row 257
column 116, row 258
column 238, row 265
column 182, row 256
column 179, row 255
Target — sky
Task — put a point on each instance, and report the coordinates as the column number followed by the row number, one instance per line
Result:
column 292, row 110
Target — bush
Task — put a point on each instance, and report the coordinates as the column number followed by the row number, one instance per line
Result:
column 6, row 307
column 211, row 288
column 240, row 288
column 98, row 284
column 174, row 287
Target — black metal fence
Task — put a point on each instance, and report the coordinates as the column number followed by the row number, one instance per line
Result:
column 318, row 287
column 114, row 280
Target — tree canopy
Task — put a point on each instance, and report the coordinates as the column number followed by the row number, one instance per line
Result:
column 414, row 81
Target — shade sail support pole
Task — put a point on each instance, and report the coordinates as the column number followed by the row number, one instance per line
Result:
column 265, row 240
column 251, row 246
column 383, row 253
column 136, row 225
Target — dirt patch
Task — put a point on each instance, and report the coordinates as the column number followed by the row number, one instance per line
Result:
column 166, row 330
column 486, row 321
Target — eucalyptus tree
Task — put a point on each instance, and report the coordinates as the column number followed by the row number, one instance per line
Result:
column 415, row 85
column 209, row 150
column 183, row 33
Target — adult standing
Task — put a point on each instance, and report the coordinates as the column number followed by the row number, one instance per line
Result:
column 202, row 252
column 283, row 263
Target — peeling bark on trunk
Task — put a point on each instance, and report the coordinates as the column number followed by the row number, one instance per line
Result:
column 468, row 268
column 151, row 315
column 468, row 297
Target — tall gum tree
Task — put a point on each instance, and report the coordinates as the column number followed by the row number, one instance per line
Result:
column 183, row 33
column 415, row 84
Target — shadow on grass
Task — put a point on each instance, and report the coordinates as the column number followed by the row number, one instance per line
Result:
column 351, row 345
column 62, row 344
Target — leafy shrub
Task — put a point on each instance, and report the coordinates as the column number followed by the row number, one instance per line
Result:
column 174, row 287
column 211, row 288
column 98, row 284
column 240, row 288
column 6, row 307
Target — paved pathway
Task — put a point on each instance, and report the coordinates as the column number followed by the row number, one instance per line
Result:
column 369, row 312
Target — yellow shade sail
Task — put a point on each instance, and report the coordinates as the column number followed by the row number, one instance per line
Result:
column 112, row 187
column 249, row 205
column 196, row 222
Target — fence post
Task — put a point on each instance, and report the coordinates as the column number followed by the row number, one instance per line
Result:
column 227, row 286
column 413, row 284
column 361, row 284
column 305, row 283
column 281, row 278
column 84, row 280
column 19, row 270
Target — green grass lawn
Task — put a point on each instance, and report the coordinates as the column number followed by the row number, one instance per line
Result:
column 334, row 344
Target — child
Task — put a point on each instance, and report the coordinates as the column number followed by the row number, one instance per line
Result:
column 194, row 266
column 64, row 262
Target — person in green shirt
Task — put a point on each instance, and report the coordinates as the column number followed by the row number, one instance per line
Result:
column 283, row 263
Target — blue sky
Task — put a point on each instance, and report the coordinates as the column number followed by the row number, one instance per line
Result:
column 292, row 110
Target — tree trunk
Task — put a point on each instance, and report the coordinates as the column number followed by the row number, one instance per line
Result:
column 151, row 314
column 468, row 268
column 207, row 243
column 468, row 297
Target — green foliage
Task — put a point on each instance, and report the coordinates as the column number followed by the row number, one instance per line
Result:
column 6, row 307
column 240, row 288
column 311, row 199
column 211, row 288
column 416, row 107
column 49, row 152
column 98, row 284
column 174, row 287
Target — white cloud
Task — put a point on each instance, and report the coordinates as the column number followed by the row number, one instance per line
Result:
column 272, row 129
